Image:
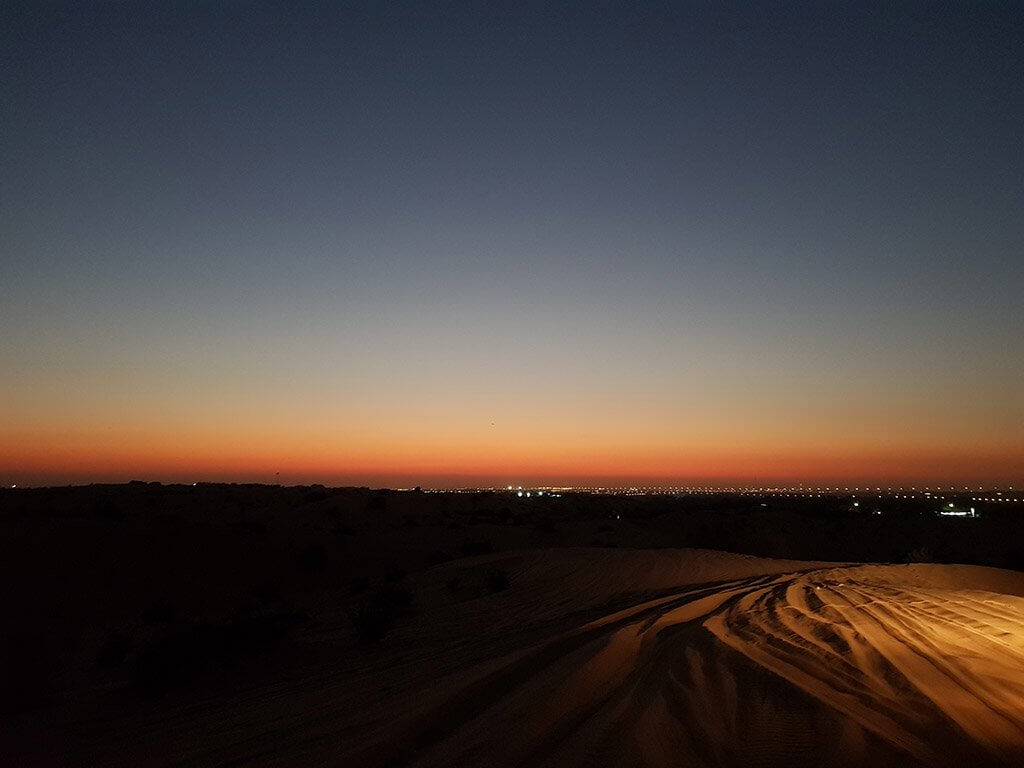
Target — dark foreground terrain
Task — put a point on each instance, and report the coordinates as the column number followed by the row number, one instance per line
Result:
column 230, row 624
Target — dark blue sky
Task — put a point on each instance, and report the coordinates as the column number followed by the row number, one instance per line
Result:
column 684, row 210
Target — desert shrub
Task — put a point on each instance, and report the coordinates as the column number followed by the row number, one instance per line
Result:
column 250, row 526
column 171, row 661
column 264, row 593
column 178, row 659
column 315, row 494
column 472, row 547
column 378, row 501
column 375, row 617
column 920, row 555
column 114, row 650
column 1014, row 558
column 25, row 672
column 437, row 557
column 160, row 611
column 106, row 509
column 497, row 580
column 312, row 558
column 250, row 635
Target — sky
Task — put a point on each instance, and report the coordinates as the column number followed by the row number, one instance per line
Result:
column 463, row 244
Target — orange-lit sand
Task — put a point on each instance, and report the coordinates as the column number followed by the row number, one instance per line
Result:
column 778, row 663
column 659, row 658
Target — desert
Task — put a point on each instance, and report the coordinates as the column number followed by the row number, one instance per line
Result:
column 263, row 625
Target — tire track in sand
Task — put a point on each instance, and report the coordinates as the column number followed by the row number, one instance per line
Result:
column 798, row 669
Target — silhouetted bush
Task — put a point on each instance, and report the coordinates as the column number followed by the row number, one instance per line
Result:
column 180, row 658
column 114, row 650
column 378, row 501
column 497, row 580
column 472, row 547
column 312, row 558
column 1014, row 558
column 437, row 557
column 253, row 527
column 264, row 593
column 315, row 494
column 160, row 611
column 25, row 672
column 107, row 510
column 920, row 555
column 375, row 617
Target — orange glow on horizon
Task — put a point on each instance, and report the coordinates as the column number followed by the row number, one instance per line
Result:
column 469, row 458
column 465, row 430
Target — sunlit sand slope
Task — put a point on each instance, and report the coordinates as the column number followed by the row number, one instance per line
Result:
column 933, row 671
column 894, row 665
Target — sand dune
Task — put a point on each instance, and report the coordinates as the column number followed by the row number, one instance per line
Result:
column 790, row 663
column 657, row 658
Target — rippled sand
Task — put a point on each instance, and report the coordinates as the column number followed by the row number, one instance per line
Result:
column 821, row 665
column 658, row 658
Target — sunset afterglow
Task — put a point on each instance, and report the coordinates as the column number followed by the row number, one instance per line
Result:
column 463, row 255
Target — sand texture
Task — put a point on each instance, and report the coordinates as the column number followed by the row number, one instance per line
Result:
column 629, row 658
